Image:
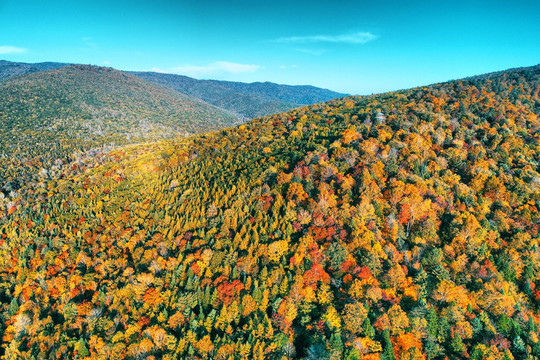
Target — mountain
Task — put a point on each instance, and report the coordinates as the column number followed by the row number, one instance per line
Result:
column 246, row 100
column 48, row 116
column 403, row 225
column 296, row 94
column 9, row 69
column 245, row 105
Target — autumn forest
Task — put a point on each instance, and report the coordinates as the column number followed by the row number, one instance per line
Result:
column 397, row 226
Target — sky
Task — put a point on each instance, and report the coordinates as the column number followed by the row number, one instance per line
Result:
column 357, row 47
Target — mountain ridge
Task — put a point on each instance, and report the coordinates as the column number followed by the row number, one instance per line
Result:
column 249, row 100
column 9, row 69
column 246, row 106
column 245, row 100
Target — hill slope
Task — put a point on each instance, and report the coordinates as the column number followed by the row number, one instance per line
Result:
column 52, row 114
column 246, row 100
column 296, row 94
column 9, row 69
column 398, row 226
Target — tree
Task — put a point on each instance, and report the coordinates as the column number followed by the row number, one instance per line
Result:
column 456, row 345
column 81, row 349
column 398, row 320
column 335, row 347
column 388, row 353
column 354, row 318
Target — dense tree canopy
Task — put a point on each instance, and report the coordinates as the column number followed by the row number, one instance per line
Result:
column 397, row 226
column 52, row 117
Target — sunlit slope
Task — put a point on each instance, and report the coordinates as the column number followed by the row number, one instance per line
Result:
column 397, row 226
column 50, row 115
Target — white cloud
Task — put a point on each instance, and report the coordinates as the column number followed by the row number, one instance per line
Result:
column 107, row 62
column 6, row 49
column 235, row 68
column 352, row 38
column 218, row 67
column 158, row 70
column 192, row 70
column 312, row 51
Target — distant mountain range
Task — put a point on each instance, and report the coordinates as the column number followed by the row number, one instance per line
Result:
column 245, row 101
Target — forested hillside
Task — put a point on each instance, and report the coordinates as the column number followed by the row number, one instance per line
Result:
column 245, row 100
column 398, row 226
column 47, row 117
column 9, row 69
column 296, row 94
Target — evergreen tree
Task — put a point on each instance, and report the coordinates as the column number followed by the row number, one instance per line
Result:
column 369, row 331
column 81, row 349
column 388, row 352
column 336, row 346
column 456, row 344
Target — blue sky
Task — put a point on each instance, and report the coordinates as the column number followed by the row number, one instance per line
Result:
column 357, row 47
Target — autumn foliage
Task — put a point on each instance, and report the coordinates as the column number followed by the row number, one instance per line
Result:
column 398, row 226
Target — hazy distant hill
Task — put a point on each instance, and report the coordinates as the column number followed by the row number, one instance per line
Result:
column 404, row 225
column 9, row 69
column 296, row 94
column 77, row 107
column 248, row 100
